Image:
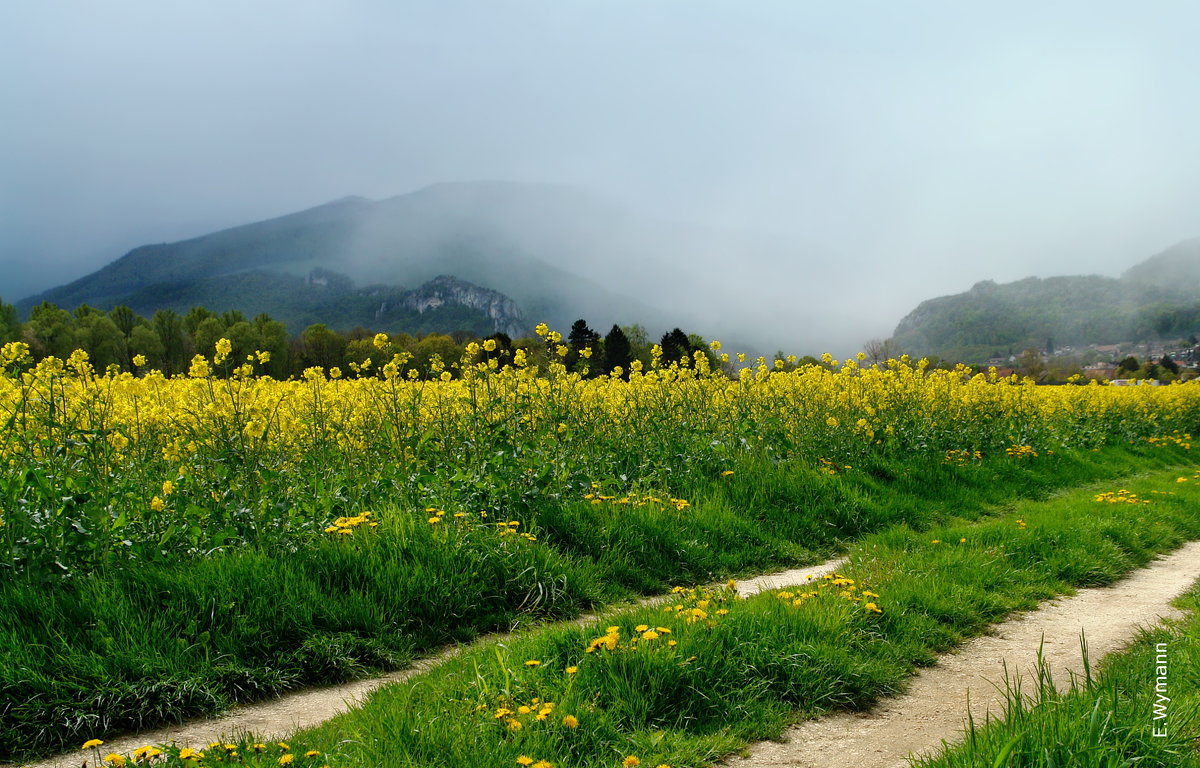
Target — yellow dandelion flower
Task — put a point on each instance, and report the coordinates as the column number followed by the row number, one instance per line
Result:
column 570, row 721
column 115, row 760
column 533, row 663
column 631, row 762
column 572, row 670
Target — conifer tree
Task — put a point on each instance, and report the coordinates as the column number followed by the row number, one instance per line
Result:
column 618, row 352
column 676, row 347
column 580, row 338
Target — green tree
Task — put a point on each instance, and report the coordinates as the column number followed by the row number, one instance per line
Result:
column 580, row 338
column 143, row 340
column 271, row 336
column 96, row 334
column 232, row 317
column 176, row 346
column 1127, row 366
column 435, row 347
column 618, row 352
column 320, row 346
column 10, row 323
column 1032, row 365
column 676, row 347
column 125, row 319
column 49, row 331
column 207, row 334
column 195, row 316
column 503, row 353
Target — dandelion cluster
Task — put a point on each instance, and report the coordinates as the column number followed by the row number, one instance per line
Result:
column 344, row 526
column 516, row 716
column 702, row 604
column 1181, row 439
column 833, row 585
column 962, row 457
column 1120, row 497
column 1021, row 452
column 828, row 467
column 246, row 753
column 634, row 499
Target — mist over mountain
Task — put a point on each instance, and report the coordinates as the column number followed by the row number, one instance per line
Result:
column 1158, row 298
column 559, row 253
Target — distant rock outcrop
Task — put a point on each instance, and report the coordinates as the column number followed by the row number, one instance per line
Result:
column 443, row 289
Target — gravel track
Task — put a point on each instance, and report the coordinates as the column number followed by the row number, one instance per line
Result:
column 935, row 707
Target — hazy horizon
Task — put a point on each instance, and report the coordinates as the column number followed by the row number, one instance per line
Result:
column 894, row 153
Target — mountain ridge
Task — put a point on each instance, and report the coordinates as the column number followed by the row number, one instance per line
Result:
column 1156, row 298
column 461, row 229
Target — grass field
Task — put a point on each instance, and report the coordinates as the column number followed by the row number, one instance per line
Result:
column 176, row 545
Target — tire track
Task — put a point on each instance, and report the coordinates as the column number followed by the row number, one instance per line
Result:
column 936, row 705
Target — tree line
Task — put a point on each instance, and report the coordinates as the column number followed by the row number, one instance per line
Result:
column 167, row 341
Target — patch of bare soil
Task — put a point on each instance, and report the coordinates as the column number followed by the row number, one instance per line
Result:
column 935, row 707
column 272, row 720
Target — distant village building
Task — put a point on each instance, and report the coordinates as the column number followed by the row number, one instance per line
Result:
column 1099, row 370
column 1113, row 350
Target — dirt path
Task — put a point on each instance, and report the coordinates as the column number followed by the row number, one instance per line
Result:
column 272, row 720
column 936, row 705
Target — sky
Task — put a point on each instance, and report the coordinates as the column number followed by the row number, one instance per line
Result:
column 901, row 150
